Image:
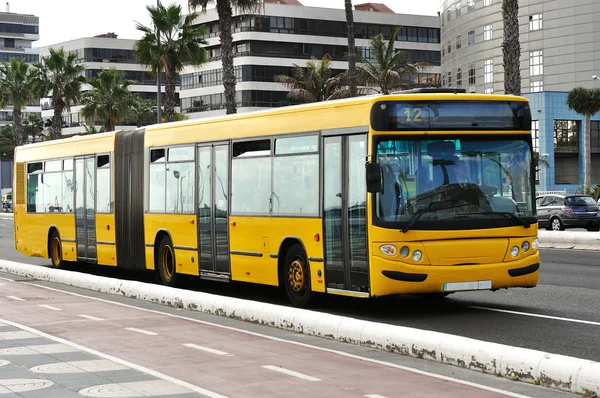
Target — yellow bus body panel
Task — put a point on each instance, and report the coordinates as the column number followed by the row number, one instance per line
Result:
column 105, row 238
column 265, row 235
column 37, row 230
column 182, row 230
column 459, row 256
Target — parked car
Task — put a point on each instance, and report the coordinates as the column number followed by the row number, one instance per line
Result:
column 561, row 211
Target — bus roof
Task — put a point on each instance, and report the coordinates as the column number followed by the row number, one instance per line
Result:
column 72, row 146
column 335, row 114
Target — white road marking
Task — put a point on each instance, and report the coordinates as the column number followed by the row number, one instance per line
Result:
column 131, row 365
column 7, row 279
column 296, row 343
column 15, row 298
column 374, row 396
column 50, row 307
column 91, row 318
column 142, row 331
column 290, row 373
column 557, row 318
column 202, row 348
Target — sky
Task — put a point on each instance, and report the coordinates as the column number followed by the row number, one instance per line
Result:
column 64, row 20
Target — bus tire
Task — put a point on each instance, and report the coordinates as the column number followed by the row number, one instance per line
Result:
column 55, row 250
column 297, row 277
column 165, row 262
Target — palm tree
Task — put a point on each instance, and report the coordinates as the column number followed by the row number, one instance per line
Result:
column 109, row 99
column 351, row 48
column 170, row 44
column 15, row 89
column 33, row 125
column 224, row 10
column 143, row 111
column 60, row 75
column 389, row 68
column 314, row 83
column 511, row 49
column 586, row 102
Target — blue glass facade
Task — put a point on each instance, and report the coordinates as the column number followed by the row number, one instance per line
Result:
column 546, row 107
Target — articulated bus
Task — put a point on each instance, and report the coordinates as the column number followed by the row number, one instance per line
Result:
column 426, row 191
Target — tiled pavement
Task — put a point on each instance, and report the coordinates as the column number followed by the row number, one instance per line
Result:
column 35, row 367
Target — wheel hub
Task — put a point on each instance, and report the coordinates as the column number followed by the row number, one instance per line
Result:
column 296, row 276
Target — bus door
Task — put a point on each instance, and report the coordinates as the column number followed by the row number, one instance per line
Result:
column 344, row 215
column 213, row 211
column 85, row 216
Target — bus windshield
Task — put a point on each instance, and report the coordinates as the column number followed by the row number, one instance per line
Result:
column 465, row 182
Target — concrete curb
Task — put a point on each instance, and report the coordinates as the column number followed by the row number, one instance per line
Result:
column 549, row 370
column 569, row 240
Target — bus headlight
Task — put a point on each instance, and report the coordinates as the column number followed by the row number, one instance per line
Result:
column 514, row 251
column 525, row 246
column 417, row 255
column 404, row 251
column 536, row 244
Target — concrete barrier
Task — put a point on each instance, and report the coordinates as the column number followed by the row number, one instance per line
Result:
column 569, row 240
column 542, row 368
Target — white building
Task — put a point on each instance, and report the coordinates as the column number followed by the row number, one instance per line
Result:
column 17, row 34
column 286, row 33
column 558, row 53
column 104, row 52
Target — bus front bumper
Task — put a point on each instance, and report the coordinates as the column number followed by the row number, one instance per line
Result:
column 394, row 277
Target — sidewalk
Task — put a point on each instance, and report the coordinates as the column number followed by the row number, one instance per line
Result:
column 29, row 363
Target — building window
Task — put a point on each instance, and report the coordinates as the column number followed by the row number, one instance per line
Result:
column 449, row 14
column 488, row 71
column 487, row 3
column 443, row 80
column 459, row 77
column 449, row 79
column 489, row 90
column 536, row 87
column 458, row 6
column 443, row 51
column 449, row 46
column 487, row 32
column 471, row 37
column 535, row 135
column 566, row 135
column 536, row 66
column 595, row 136
column 458, row 42
column 470, row 5
column 535, row 22
column 471, row 75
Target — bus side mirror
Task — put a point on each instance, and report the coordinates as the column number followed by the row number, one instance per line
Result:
column 373, row 177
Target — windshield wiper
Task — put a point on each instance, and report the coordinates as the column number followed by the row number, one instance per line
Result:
column 415, row 217
column 518, row 219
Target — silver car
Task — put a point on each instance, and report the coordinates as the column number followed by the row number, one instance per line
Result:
column 558, row 212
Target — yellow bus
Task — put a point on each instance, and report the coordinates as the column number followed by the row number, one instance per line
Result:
column 427, row 191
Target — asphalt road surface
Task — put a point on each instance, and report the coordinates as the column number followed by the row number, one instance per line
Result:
column 561, row 315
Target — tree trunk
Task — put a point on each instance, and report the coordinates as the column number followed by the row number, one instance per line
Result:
column 17, row 126
column 225, row 14
column 587, row 160
column 170, row 92
column 56, row 132
column 511, row 49
column 351, row 49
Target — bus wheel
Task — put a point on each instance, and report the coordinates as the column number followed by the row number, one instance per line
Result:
column 297, row 277
column 165, row 262
column 56, row 250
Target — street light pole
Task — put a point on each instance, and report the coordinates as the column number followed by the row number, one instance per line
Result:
column 158, row 90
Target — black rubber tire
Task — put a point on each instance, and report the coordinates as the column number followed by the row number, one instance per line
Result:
column 55, row 250
column 296, row 277
column 165, row 264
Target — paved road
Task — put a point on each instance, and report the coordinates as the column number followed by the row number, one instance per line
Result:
column 561, row 315
column 67, row 342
